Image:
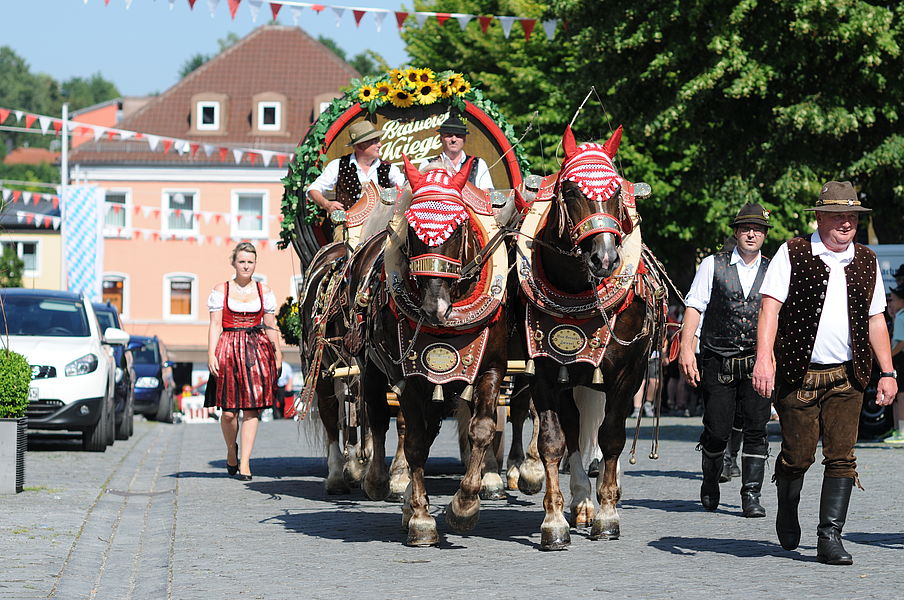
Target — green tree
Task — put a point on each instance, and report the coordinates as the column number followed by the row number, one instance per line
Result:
column 82, row 92
column 723, row 102
column 11, row 268
column 366, row 63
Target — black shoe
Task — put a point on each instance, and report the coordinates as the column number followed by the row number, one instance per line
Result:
column 233, row 469
column 833, row 507
column 787, row 525
column 709, row 489
column 753, row 468
column 243, row 477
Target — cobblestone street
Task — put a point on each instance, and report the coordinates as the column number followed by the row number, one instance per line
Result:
column 157, row 517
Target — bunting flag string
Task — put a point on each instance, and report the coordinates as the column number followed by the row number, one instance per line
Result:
column 15, row 196
column 359, row 12
column 155, row 142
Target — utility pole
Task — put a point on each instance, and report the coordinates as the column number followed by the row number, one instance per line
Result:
column 64, row 181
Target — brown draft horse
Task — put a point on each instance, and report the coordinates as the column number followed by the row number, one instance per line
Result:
column 577, row 256
column 431, row 321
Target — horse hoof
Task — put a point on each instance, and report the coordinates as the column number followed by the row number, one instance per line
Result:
column 461, row 523
column 353, row 473
column 394, row 497
column 378, row 491
column 493, row 494
column 422, row 532
column 336, row 487
column 609, row 531
column 594, row 469
column 582, row 516
column 511, row 481
column 554, row 539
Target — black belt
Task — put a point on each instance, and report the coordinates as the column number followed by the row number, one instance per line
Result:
column 821, row 367
column 260, row 327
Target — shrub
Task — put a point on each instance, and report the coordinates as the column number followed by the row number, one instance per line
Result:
column 289, row 321
column 15, row 376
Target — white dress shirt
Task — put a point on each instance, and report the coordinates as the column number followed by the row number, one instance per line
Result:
column 833, row 336
column 701, row 290
column 482, row 180
column 326, row 181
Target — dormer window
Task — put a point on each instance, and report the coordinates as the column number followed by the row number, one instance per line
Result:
column 269, row 116
column 208, row 115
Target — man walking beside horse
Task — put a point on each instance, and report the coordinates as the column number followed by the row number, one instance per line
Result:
column 726, row 289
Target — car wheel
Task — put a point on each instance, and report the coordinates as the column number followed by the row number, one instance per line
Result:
column 124, row 429
column 131, row 416
column 94, row 438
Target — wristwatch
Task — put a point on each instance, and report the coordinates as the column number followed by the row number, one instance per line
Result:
column 893, row 374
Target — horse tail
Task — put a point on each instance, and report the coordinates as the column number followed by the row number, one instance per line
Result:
column 592, row 406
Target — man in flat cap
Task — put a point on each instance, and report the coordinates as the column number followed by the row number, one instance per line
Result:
column 820, row 323
column 453, row 134
column 347, row 174
column 726, row 291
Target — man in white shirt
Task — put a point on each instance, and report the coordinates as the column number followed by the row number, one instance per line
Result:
column 726, row 291
column 347, row 174
column 453, row 134
column 820, row 324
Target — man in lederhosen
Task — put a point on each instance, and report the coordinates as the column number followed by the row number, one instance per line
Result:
column 726, row 291
column 347, row 174
column 820, row 323
column 453, row 134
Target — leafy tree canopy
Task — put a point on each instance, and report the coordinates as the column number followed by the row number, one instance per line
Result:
column 723, row 102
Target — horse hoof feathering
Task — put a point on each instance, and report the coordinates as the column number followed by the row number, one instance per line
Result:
column 530, row 477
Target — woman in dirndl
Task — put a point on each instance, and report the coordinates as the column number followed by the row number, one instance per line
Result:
column 242, row 353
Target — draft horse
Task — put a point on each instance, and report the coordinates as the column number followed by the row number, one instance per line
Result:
column 437, row 331
column 592, row 305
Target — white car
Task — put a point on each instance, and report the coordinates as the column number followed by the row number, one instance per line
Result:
column 72, row 366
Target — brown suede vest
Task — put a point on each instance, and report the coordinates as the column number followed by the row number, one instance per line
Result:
column 798, row 319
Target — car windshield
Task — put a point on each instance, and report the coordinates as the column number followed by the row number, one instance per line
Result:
column 146, row 355
column 56, row 317
column 105, row 318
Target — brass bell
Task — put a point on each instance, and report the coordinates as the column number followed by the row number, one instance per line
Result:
column 398, row 387
column 597, row 376
column 467, row 393
column 633, row 460
column 563, row 374
column 437, row 393
column 529, row 367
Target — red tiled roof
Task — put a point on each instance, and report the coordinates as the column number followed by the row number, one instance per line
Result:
column 279, row 59
column 31, row 156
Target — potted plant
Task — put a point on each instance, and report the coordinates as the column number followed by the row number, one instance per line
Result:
column 15, row 376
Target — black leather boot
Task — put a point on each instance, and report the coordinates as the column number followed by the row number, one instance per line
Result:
column 787, row 525
column 709, row 490
column 725, row 475
column 734, row 445
column 833, row 507
column 752, row 469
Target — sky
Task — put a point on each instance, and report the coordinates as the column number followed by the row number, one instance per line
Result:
column 141, row 49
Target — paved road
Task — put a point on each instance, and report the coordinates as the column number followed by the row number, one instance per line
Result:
column 156, row 517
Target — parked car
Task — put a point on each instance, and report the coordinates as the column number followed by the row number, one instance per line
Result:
column 71, row 359
column 154, row 384
column 124, row 377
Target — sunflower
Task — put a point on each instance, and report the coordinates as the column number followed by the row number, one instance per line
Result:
column 425, row 75
column 367, row 93
column 445, row 88
column 460, row 87
column 427, row 93
column 401, row 97
column 395, row 76
column 383, row 89
column 411, row 77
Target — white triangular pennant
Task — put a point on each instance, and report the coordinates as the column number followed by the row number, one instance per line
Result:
column 126, row 135
column 26, row 196
column 18, row 114
column 20, row 216
column 266, row 156
column 56, row 222
column 212, row 5
column 506, row 23
column 463, row 20
column 237, row 155
column 339, row 12
column 45, row 124
column 98, row 132
column 207, row 216
column 254, row 6
column 421, row 18
column 128, row 4
column 208, row 149
column 218, row 240
column 296, row 14
column 146, row 211
column 378, row 19
column 549, row 27
column 6, row 194
column 200, row 240
column 36, row 219
column 172, row 4
column 152, row 140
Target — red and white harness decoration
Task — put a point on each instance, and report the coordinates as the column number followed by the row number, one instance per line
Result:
column 592, row 169
column 437, row 209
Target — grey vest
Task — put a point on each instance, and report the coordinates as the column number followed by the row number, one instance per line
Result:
column 729, row 326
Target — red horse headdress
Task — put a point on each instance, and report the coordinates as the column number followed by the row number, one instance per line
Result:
column 436, row 208
column 590, row 165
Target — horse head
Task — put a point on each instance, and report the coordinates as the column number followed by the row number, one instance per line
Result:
column 590, row 215
column 438, row 244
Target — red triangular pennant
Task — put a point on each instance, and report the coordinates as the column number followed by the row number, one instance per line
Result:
column 30, row 120
column 280, row 160
column 484, row 23
column 233, row 7
column 317, row 7
column 194, row 147
column 359, row 14
column 442, row 18
column 191, row 4
column 167, row 145
column 111, row 134
column 223, row 153
column 400, row 18
column 274, row 8
column 16, row 195
column 252, row 158
column 56, row 202
column 57, row 125
column 528, row 25
column 3, row 114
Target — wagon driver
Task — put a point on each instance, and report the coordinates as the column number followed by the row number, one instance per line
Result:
column 453, row 133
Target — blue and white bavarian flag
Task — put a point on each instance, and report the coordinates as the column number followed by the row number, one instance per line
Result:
column 84, row 232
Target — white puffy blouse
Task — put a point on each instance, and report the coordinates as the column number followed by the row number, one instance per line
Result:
column 215, row 302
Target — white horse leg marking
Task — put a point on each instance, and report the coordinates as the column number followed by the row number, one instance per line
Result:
column 335, row 462
column 582, row 508
column 592, row 406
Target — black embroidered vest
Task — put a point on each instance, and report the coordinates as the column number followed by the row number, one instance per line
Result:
column 348, row 187
column 798, row 319
column 729, row 325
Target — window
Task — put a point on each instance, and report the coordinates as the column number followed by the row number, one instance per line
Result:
column 269, row 116
column 28, row 253
column 117, row 212
column 249, row 215
column 208, row 116
column 179, row 212
column 180, row 296
column 114, row 291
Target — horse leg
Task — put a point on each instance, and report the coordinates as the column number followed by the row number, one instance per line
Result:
column 354, row 468
column 592, row 406
column 464, row 510
column 328, row 407
column 373, row 387
column 421, row 526
column 518, row 411
column 606, row 524
column 554, row 534
column 492, row 486
column 531, row 471
column 399, row 473
column 581, row 504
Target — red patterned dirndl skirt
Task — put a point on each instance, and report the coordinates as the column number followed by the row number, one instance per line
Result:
column 248, row 371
